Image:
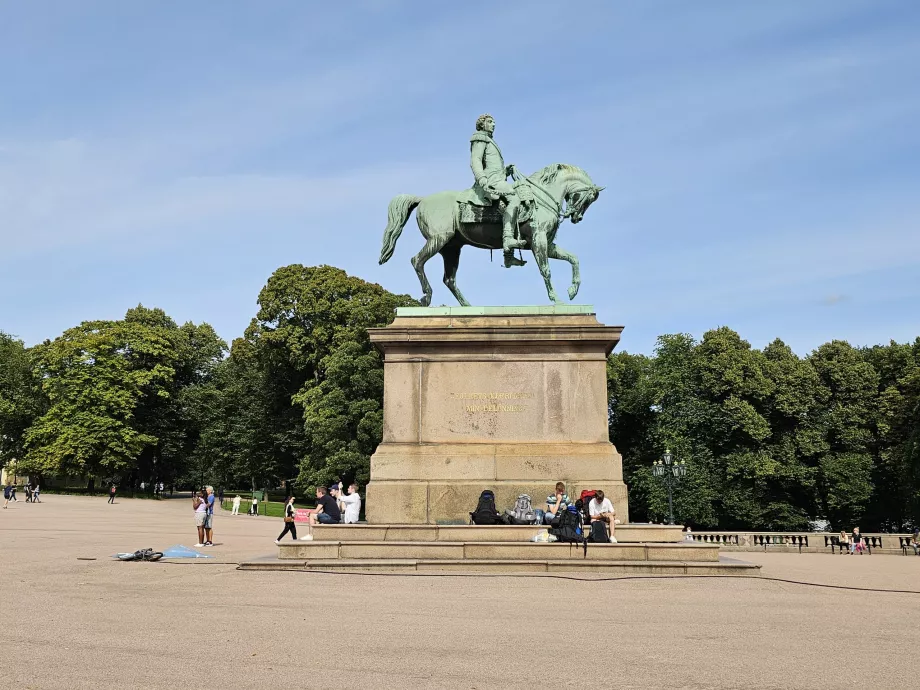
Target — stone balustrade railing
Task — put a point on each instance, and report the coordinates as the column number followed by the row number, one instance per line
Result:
column 810, row 542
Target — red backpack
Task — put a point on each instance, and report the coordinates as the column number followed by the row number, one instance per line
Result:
column 586, row 497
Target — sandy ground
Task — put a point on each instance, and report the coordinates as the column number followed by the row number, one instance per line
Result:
column 72, row 623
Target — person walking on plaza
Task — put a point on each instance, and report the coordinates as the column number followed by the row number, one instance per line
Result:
column 209, row 521
column 236, row 505
column 28, row 490
column 289, row 526
column 6, row 496
column 36, row 490
column 112, row 494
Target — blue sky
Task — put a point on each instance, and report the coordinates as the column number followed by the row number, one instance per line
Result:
column 762, row 160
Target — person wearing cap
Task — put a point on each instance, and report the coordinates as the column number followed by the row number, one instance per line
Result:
column 349, row 504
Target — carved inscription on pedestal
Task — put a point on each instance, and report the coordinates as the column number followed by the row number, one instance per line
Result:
column 493, row 401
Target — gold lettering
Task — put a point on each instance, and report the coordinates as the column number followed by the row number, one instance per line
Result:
column 494, row 407
column 495, row 395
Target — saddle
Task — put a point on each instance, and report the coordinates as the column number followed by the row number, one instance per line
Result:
column 478, row 213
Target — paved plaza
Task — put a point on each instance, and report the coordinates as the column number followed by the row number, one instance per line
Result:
column 71, row 623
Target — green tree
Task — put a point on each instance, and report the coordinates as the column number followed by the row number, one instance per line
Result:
column 114, row 390
column 300, row 396
column 895, row 501
column 21, row 399
column 312, row 328
column 846, row 419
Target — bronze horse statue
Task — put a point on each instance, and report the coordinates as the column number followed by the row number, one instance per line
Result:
column 559, row 191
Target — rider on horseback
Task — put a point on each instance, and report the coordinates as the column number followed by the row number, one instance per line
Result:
column 492, row 182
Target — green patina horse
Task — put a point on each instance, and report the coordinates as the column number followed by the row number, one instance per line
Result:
column 440, row 219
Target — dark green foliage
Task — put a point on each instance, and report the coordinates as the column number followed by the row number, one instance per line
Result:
column 773, row 440
column 115, row 391
column 21, row 398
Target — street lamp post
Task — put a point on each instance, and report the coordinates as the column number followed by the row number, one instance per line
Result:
column 672, row 472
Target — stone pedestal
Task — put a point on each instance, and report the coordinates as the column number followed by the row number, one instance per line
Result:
column 511, row 399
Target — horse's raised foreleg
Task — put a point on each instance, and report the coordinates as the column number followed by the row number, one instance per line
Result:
column 451, row 255
column 540, row 247
column 432, row 247
column 556, row 252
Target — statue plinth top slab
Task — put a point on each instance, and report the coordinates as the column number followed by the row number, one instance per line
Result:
column 522, row 310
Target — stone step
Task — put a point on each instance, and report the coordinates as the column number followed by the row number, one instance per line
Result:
column 498, row 551
column 625, row 534
column 535, row 566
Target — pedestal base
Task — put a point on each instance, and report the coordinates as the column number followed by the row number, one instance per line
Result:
column 511, row 399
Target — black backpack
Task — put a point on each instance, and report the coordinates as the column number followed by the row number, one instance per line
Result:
column 486, row 513
column 599, row 533
column 571, row 527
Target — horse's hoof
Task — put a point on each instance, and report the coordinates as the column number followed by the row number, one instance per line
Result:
column 425, row 301
column 572, row 292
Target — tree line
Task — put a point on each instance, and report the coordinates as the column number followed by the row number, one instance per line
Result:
column 772, row 440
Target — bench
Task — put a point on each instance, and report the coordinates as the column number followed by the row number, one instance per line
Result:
column 907, row 543
column 833, row 542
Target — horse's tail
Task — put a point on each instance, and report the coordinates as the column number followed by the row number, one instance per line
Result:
column 398, row 213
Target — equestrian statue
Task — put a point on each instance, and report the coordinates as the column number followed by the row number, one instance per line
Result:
column 495, row 214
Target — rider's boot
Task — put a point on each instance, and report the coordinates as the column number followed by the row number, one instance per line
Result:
column 509, row 244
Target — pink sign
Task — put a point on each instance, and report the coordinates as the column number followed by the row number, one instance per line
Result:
column 302, row 515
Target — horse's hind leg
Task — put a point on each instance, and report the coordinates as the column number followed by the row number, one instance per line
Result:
column 432, row 247
column 451, row 255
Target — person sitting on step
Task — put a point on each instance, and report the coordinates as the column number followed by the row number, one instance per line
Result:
column 601, row 509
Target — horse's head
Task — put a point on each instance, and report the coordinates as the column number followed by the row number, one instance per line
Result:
column 570, row 184
column 578, row 200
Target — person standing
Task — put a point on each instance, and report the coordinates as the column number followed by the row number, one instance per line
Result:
column 254, row 506
column 6, row 496
column 201, row 515
column 289, row 526
column 112, row 494
column 209, row 522
column 350, row 502
column 236, row 505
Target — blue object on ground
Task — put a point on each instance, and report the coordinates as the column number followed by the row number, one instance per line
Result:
column 179, row 551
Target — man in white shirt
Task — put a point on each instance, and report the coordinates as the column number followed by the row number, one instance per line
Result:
column 350, row 503
column 601, row 509
column 236, row 505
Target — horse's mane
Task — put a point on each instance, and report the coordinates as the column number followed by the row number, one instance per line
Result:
column 550, row 172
